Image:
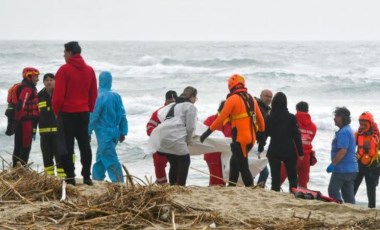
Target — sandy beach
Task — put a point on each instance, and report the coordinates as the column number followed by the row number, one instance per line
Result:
column 127, row 206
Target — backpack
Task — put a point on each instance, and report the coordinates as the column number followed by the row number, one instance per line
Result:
column 12, row 99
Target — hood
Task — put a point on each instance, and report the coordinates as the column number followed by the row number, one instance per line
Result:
column 77, row 61
column 105, row 81
column 303, row 118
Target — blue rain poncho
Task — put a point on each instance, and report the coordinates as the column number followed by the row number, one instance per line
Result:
column 109, row 123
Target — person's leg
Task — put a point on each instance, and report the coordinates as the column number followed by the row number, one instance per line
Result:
column 372, row 180
column 65, row 136
column 17, row 144
column 275, row 167
column 160, row 161
column 359, row 178
column 214, row 164
column 291, row 168
column 263, row 177
column 47, row 149
column 173, row 168
column 234, row 164
column 183, row 169
column 283, row 173
column 26, row 146
column 60, row 171
column 303, row 169
column 335, row 185
column 81, row 134
column 348, row 188
column 246, row 174
column 113, row 166
column 98, row 169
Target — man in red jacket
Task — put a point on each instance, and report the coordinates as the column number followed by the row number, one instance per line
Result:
column 74, row 97
column 308, row 131
column 160, row 160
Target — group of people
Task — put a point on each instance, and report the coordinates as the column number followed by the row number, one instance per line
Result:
column 248, row 120
column 69, row 107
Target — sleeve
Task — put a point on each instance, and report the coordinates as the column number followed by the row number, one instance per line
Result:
column 297, row 136
column 259, row 117
column 343, row 140
column 152, row 123
column 93, row 91
column 25, row 95
column 123, row 125
column 224, row 114
column 59, row 91
column 94, row 116
column 191, row 122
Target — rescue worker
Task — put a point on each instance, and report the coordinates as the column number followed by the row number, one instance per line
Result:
column 47, row 125
column 244, row 114
column 26, row 116
column 213, row 160
column 308, row 130
column 178, row 122
column 160, row 160
column 110, row 125
column 367, row 141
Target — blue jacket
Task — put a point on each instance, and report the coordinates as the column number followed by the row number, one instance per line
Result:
column 109, row 117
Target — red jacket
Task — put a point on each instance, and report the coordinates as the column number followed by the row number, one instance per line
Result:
column 226, row 129
column 307, row 129
column 75, row 87
column 153, row 122
column 27, row 108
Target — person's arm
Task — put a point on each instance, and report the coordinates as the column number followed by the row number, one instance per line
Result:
column 339, row 156
column 94, row 116
column 93, row 94
column 152, row 123
column 191, row 122
column 23, row 98
column 59, row 91
column 297, row 137
column 123, row 125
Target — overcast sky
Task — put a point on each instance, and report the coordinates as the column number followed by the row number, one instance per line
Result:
column 216, row 20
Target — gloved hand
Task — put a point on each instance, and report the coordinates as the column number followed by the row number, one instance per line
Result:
column 205, row 135
column 330, row 168
column 121, row 138
column 89, row 138
column 34, row 136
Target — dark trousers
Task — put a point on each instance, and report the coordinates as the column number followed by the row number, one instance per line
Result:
column 371, row 175
column 239, row 164
column 179, row 168
column 22, row 142
column 49, row 150
column 73, row 126
column 275, row 169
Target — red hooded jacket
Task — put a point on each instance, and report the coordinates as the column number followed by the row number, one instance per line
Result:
column 75, row 87
column 307, row 129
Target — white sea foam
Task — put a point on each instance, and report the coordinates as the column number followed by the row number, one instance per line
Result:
column 325, row 74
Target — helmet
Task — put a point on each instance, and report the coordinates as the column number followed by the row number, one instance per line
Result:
column 28, row 72
column 366, row 116
column 369, row 121
column 235, row 80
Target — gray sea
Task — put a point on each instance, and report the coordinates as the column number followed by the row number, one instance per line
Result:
column 325, row 74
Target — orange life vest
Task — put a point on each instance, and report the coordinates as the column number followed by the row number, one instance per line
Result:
column 368, row 148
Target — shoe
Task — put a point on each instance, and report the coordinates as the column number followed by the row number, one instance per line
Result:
column 88, row 182
column 71, row 181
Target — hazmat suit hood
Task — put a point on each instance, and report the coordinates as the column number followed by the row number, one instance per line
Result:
column 105, row 81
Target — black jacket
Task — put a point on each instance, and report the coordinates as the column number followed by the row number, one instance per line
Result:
column 285, row 141
column 261, row 136
column 47, row 123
